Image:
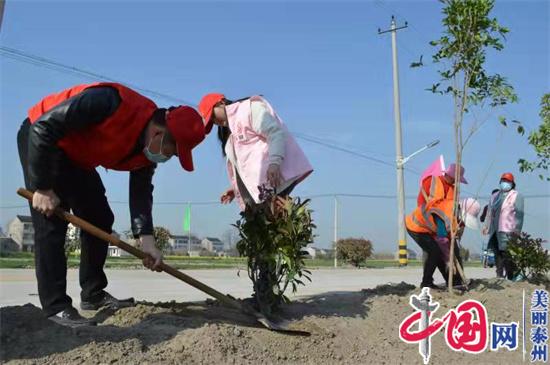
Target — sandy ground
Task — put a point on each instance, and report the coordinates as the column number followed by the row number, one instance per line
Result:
column 346, row 327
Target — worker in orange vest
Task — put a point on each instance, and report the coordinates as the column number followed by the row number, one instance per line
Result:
column 65, row 137
column 432, row 221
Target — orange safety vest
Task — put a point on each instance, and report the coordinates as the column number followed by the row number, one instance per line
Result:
column 439, row 201
column 110, row 143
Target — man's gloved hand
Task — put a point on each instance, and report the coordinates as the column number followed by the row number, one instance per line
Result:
column 154, row 258
column 45, row 201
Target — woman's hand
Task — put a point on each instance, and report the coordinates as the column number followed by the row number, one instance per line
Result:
column 45, row 201
column 274, row 175
column 228, row 196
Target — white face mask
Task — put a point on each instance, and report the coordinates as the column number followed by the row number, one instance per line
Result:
column 505, row 186
column 155, row 157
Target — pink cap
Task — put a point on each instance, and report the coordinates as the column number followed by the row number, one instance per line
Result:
column 451, row 171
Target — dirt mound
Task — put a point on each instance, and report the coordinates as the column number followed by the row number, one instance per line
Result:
column 346, row 327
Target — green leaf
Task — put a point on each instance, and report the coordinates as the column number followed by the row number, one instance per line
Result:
column 521, row 130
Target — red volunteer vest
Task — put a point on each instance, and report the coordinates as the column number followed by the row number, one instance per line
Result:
column 110, row 143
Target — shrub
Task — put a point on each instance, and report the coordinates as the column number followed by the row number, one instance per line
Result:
column 162, row 237
column 205, row 253
column 531, row 259
column 72, row 240
column 354, row 250
column 464, row 254
column 272, row 236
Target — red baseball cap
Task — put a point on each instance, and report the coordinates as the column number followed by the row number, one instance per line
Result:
column 207, row 104
column 186, row 127
column 508, row 177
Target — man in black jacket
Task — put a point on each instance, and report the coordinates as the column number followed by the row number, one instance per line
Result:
column 68, row 135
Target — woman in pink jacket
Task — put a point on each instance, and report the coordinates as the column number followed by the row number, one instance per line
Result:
column 504, row 218
column 258, row 147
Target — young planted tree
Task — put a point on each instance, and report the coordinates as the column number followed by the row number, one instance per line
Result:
column 272, row 238
column 468, row 33
column 540, row 140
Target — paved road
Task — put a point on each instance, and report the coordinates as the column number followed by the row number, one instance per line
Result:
column 18, row 286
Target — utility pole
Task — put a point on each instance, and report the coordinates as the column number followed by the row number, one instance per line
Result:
column 335, row 231
column 402, row 238
column 2, row 4
column 189, row 231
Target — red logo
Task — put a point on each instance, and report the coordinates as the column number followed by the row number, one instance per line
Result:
column 466, row 326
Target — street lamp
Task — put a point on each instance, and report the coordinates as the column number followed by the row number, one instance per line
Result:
column 429, row 145
column 402, row 239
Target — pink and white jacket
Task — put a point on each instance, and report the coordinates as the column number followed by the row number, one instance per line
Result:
column 510, row 217
column 252, row 151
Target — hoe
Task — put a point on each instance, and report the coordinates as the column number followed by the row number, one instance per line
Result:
column 225, row 299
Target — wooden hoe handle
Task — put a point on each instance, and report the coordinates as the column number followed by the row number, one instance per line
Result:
column 99, row 233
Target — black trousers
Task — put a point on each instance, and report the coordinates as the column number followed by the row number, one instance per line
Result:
column 503, row 261
column 83, row 192
column 434, row 259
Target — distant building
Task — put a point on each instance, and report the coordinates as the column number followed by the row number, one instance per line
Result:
column 179, row 244
column 114, row 251
column 212, row 244
column 8, row 245
column 21, row 230
column 314, row 251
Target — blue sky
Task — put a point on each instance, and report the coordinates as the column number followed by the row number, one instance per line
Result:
column 321, row 64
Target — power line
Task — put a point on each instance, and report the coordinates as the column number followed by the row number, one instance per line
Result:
column 39, row 61
column 43, row 62
column 357, row 148
column 346, row 150
column 311, row 196
column 211, row 202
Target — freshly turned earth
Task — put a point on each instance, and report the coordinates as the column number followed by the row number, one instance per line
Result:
column 346, row 327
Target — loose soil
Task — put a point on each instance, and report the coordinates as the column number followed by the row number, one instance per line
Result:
column 346, row 327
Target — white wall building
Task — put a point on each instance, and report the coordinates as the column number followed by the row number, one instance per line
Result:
column 179, row 244
column 21, row 230
column 114, row 251
column 314, row 251
column 212, row 244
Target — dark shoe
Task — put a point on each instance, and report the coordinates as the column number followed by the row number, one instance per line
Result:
column 433, row 287
column 108, row 301
column 71, row 318
column 459, row 283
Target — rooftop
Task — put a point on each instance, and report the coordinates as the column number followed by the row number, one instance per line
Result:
column 213, row 239
column 24, row 218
